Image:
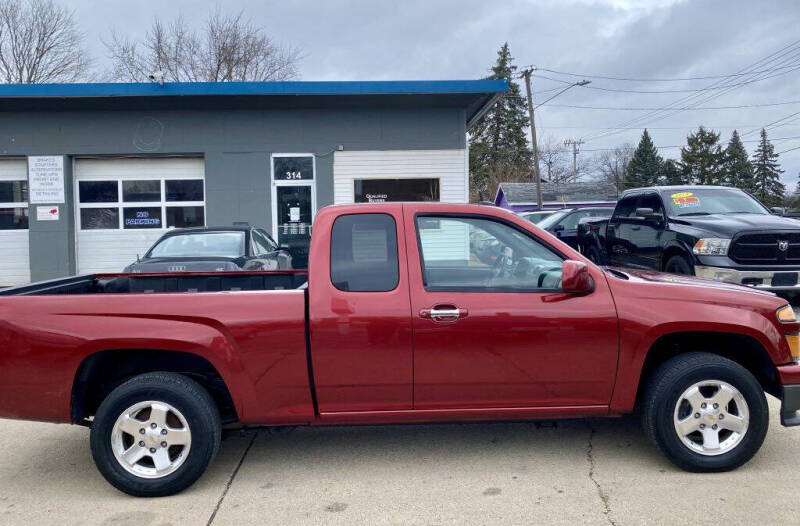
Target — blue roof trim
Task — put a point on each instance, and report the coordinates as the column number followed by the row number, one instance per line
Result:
column 332, row 88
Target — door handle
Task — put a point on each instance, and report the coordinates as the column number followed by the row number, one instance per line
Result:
column 443, row 313
column 636, row 228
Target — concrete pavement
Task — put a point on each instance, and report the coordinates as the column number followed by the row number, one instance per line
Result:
column 580, row 472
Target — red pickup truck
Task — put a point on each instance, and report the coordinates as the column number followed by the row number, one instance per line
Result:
column 410, row 312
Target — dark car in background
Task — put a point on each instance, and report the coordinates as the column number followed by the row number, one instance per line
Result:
column 537, row 215
column 564, row 223
column 213, row 249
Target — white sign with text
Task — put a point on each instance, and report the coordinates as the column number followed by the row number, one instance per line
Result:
column 47, row 213
column 46, row 179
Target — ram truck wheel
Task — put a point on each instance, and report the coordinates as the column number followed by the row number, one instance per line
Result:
column 155, row 434
column 679, row 265
column 706, row 413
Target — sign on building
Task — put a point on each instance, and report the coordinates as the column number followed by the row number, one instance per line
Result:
column 46, row 179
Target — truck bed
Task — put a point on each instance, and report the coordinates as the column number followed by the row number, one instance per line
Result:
column 190, row 282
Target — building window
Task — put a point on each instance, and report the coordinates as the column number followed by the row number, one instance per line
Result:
column 386, row 190
column 290, row 168
column 133, row 204
column 13, row 205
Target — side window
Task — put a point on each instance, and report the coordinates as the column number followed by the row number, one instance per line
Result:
column 626, row 206
column 483, row 255
column 364, row 253
column 651, row 201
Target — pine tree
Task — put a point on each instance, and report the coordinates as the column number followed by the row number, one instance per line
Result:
column 737, row 166
column 768, row 186
column 645, row 166
column 701, row 158
column 671, row 173
column 499, row 141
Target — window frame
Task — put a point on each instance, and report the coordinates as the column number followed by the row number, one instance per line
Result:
column 481, row 290
column 120, row 204
column 397, row 238
column 24, row 205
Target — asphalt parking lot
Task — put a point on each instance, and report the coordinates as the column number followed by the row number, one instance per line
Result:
column 589, row 472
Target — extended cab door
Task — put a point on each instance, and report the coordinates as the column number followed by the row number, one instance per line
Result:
column 501, row 333
column 359, row 312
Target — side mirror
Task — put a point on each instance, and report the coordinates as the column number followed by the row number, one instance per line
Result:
column 283, row 247
column 558, row 228
column 575, row 278
column 648, row 214
column 776, row 210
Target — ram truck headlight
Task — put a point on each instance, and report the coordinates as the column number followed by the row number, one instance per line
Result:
column 786, row 315
column 712, row 246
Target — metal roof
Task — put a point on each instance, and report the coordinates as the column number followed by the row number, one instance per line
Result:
column 475, row 96
column 525, row 193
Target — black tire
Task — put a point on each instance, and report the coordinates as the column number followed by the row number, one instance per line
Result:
column 679, row 264
column 180, row 392
column 670, row 381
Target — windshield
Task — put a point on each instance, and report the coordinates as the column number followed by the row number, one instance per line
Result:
column 552, row 219
column 707, row 201
column 535, row 217
column 218, row 244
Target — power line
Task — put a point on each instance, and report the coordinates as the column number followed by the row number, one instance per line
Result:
column 627, row 108
column 692, row 101
column 675, row 79
column 789, row 150
column 682, row 145
column 770, row 124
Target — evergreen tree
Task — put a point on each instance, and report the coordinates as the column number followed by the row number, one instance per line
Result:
column 498, row 141
column 737, row 166
column 768, row 186
column 701, row 158
column 644, row 168
column 671, row 173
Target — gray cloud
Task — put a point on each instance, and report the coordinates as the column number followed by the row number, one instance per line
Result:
column 442, row 39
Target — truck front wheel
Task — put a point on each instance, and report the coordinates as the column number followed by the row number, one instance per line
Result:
column 706, row 413
column 155, row 434
column 679, row 264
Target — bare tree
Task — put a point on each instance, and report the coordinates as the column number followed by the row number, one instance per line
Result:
column 40, row 43
column 227, row 48
column 610, row 165
column 553, row 158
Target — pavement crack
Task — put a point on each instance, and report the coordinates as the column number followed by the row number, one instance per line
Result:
column 230, row 480
column 604, row 497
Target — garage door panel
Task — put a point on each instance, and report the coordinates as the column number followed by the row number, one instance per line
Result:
column 106, row 250
column 14, row 243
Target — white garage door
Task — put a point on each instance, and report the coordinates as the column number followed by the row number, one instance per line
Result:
column 124, row 205
column 14, row 255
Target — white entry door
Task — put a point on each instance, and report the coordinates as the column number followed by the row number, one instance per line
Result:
column 123, row 205
column 294, row 203
column 15, row 268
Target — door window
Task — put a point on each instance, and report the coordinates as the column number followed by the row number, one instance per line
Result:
column 571, row 221
column 626, row 206
column 651, row 201
column 262, row 244
column 364, row 253
column 473, row 254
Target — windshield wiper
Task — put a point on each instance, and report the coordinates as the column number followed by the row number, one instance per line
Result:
column 695, row 214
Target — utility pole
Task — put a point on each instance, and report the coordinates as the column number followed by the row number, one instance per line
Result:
column 527, row 75
column 575, row 145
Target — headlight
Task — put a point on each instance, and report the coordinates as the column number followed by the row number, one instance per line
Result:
column 712, row 246
column 786, row 314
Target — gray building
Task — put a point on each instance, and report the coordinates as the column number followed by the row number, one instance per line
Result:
column 92, row 174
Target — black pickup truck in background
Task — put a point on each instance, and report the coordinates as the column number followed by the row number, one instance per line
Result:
column 713, row 232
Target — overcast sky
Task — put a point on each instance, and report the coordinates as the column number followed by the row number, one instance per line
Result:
column 458, row 39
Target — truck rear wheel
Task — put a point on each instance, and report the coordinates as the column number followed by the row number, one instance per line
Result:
column 155, row 434
column 705, row 413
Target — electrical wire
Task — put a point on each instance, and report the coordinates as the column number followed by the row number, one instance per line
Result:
column 629, row 79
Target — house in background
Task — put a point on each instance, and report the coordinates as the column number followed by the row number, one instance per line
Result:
column 521, row 197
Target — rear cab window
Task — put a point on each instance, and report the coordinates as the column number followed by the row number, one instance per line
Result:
column 364, row 253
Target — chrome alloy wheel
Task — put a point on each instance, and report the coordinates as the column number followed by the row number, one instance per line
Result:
column 151, row 439
column 711, row 417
